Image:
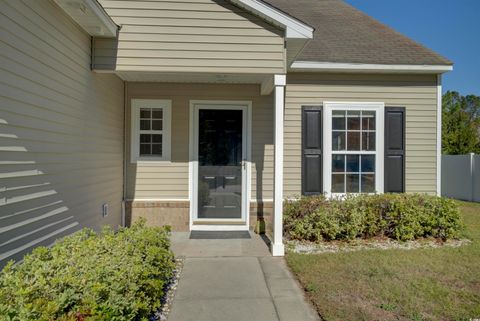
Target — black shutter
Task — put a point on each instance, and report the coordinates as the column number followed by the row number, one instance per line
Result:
column 312, row 150
column 394, row 150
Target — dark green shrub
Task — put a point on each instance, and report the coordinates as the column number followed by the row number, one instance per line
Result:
column 398, row 216
column 89, row 276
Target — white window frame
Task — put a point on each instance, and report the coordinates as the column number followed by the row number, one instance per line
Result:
column 136, row 105
column 328, row 108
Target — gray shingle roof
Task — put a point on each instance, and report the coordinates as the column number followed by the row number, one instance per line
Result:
column 344, row 34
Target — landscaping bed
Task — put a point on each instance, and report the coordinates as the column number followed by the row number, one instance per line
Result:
column 435, row 283
column 122, row 275
column 402, row 217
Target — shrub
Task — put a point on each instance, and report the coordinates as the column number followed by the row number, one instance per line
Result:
column 398, row 216
column 89, row 276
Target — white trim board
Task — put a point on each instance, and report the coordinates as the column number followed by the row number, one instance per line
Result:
column 91, row 16
column 246, row 107
column 314, row 66
column 157, row 200
column 294, row 28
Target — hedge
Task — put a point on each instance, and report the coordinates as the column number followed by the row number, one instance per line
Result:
column 398, row 216
column 89, row 276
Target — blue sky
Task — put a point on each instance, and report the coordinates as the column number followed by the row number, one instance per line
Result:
column 449, row 27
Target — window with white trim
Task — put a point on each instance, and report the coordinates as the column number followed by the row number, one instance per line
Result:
column 150, row 139
column 353, row 148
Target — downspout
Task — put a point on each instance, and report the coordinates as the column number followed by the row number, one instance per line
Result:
column 124, row 181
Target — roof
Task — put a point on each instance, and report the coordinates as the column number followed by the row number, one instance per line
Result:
column 344, row 34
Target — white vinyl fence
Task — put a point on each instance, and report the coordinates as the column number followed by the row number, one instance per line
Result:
column 461, row 177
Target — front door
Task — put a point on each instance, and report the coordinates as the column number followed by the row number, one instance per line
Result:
column 220, row 150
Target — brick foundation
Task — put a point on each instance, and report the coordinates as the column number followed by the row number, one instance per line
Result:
column 158, row 213
column 177, row 214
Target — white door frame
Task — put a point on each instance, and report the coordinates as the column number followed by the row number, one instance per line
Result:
column 235, row 224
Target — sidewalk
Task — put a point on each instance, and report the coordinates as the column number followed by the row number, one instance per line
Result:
column 235, row 280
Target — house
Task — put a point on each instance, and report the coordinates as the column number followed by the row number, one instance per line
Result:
column 204, row 114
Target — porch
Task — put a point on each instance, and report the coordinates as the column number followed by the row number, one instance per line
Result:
column 225, row 177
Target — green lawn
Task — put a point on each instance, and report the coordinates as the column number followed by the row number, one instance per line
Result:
column 423, row 284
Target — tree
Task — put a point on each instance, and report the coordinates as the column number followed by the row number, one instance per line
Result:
column 460, row 123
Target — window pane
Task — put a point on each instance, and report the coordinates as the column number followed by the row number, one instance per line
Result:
column 157, row 149
column 144, row 124
column 368, row 183
column 145, row 149
column 338, row 120
column 338, row 163
column 353, row 142
column 353, row 122
column 368, row 163
column 157, row 138
column 145, row 138
column 338, row 183
column 368, row 120
column 368, row 141
column 157, row 113
column 157, row 124
column 338, row 141
column 145, row 113
column 353, row 181
column 353, row 163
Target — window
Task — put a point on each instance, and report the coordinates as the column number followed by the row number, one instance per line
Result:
column 150, row 130
column 353, row 148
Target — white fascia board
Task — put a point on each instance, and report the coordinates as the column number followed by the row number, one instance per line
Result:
column 294, row 28
column 84, row 12
column 347, row 67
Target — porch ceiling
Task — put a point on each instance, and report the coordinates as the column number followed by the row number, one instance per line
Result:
column 213, row 78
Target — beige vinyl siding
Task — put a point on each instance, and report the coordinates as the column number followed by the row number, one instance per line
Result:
column 169, row 181
column 61, row 130
column 418, row 93
column 189, row 36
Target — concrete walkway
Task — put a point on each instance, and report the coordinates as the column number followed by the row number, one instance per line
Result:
column 235, row 280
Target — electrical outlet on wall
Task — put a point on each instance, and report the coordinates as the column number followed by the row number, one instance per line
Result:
column 105, row 210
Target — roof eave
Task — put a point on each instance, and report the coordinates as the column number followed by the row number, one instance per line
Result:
column 294, row 28
column 91, row 16
column 314, row 66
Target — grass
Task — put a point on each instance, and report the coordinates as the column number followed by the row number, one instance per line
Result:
column 422, row 284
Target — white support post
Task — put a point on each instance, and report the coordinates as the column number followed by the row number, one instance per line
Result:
column 472, row 175
column 439, row 135
column 277, row 247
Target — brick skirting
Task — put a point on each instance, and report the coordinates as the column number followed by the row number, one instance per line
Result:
column 177, row 213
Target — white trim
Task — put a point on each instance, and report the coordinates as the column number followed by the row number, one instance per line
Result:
column 277, row 247
column 265, row 200
column 87, row 12
column 204, row 227
column 357, row 67
column 246, row 107
column 439, row 135
column 294, row 28
column 157, row 200
column 379, row 108
column 280, row 80
column 166, row 106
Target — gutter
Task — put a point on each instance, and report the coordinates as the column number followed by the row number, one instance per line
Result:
column 317, row 66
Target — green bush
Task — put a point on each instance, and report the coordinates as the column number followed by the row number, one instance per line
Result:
column 89, row 276
column 398, row 216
